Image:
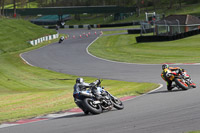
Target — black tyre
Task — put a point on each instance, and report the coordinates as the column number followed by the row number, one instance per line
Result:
column 181, row 84
column 81, row 106
column 194, row 86
column 86, row 112
column 117, row 103
column 91, row 107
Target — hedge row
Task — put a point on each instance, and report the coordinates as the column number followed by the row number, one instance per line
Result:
column 118, row 25
column 167, row 38
column 97, row 25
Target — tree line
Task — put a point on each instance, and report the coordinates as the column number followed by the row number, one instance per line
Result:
column 15, row 3
column 52, row 3
column 170, row 3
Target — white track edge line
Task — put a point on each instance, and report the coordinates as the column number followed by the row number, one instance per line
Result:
column 161, row 85
column 127, row 62
column 8, row 125
column 25, row 60
column 54, row 116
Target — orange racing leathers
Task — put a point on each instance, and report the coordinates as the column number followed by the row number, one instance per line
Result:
column 167, row 75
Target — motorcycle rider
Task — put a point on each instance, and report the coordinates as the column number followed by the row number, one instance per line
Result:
column 80, row 89
column 167, row 73
column 62, row 38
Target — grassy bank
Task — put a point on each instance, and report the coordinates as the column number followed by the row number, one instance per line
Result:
column 27, row 91
column 124, row 48
column 15, row 33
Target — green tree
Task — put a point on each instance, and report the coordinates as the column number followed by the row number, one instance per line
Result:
column 14, row 7
column 0, row 7
column 2, row 4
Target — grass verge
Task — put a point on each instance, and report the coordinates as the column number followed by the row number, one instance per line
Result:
column 27, row 91
column 30, row 91
column 124, row 48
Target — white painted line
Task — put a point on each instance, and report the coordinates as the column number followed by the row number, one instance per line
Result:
column 161, row 85
column 54, row 116
column 51, row 116
column 48, row 117
column 29, row 51
column 25, row 60
column 7, row 125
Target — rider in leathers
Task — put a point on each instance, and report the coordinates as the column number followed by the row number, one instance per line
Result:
column 80, row 91
column 80, row 88
column 166, row 74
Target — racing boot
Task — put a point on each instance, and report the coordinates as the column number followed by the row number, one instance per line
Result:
column 169, row 88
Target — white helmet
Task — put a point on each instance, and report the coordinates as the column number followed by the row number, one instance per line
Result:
column 79, row 80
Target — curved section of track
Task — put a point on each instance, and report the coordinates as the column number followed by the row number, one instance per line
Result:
column 156, row 112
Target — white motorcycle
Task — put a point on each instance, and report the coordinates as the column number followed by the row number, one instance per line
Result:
column 89, row 104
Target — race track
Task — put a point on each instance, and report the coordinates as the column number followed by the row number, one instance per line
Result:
column 157, row 112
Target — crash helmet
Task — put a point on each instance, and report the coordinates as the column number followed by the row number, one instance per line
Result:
column 164, row 66
column 79, row 80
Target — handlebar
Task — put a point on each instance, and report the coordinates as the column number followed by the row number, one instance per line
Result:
column 97, row 82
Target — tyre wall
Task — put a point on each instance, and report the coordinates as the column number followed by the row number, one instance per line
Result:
column 167, row 38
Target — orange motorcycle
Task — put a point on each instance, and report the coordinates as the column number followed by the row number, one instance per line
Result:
column 182, row 80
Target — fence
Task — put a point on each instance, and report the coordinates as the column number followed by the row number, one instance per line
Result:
column 42, row 39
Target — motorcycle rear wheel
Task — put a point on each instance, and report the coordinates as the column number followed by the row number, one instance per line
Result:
column 91, row 107
column 181, row 84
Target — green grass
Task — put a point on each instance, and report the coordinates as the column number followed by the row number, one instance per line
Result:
column 113, row 32
column 124, row 48
column 27, row 91
column 193, row 9
column 30, row 91
column 29, row 5
column 15, row 34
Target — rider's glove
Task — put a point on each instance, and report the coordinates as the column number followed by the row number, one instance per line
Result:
column 169, row 74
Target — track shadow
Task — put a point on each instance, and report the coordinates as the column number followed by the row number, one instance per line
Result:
column 166, row 91
column 81, row 114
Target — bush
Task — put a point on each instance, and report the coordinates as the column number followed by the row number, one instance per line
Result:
column 192, row 1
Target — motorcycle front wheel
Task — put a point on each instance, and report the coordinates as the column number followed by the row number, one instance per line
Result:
column 91, row 107
column 181, row 84
column 117, row 103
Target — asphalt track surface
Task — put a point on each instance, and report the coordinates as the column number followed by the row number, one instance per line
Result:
column 156, row 112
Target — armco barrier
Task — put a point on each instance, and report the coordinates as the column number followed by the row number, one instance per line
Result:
column 166, row 38
column 98, row 25
column 42, row 39
column 138, row 31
